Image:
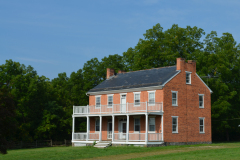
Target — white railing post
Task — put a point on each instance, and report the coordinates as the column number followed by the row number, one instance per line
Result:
column 127, row 107
column 87, row 128
column 87, row 109
column 113, row 127
column 146, row 107
column 73, row 127
column 146, row 136
column 100, row 108
column 100, row 134
column 73, row 109
column 127, row 136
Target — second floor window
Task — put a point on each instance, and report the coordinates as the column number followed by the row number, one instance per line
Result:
column 110, row 101
column 137, row 99
column 98, row 102
column 174, row 98
column 151, row 98
column 201, row 102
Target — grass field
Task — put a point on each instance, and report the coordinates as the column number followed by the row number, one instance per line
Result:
column 204, row 151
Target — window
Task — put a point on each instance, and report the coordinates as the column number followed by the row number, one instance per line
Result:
column 98, row 102
column 152, row 124
column 201, row 101
column 151, row 98
column 110, row 101
column 201, row 125
column 136, row 99
column 137, row 125
column 188, row 77
column 174, row 124
column 97, row 125
column 174, row 98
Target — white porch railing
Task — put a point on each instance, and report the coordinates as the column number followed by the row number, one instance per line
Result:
column 119, row 108
column 137, row 136
column 83, row 136
column 154, row 136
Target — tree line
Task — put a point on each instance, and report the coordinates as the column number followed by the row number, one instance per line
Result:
column 34, row 107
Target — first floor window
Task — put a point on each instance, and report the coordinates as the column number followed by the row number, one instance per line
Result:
column 97, row 125
column 137, row 99
column 98, row 101
column 174, row 124
column 174, row 98
column 201, row 125
column 201, row 104
column 110, row 101
column 151, row 97
column 152, row 124
column 137, row 125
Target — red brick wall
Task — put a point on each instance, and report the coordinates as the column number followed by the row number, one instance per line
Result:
column 188, row 110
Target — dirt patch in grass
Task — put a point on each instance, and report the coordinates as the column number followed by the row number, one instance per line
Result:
column 160, row 152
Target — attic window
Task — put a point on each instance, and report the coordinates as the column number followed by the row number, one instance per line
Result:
column 188, row 77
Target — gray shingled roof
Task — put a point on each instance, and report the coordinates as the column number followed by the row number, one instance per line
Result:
column 137, row 79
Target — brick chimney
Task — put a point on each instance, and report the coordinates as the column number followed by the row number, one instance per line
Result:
column 183, row 66
column 110, row 72
column 180, row 63
column 121, row 71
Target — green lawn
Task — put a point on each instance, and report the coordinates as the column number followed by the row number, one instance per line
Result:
column 213, row 151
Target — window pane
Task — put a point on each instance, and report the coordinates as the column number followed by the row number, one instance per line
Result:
column 200, row 98
column 97, row 128
column 201, row 128
column 151, row 127
column 110, row 101
column 152, row 121
column 174, row 121
column 174, row 95
column 137, row 128
column 137, row 121
column 201, row 122
column 174, row 128
column 174, row 101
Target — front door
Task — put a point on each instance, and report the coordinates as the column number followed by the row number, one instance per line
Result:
column 123, row 130
column 109, row 132
column 123, row 103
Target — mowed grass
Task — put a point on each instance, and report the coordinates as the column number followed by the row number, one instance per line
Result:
column 204, row 151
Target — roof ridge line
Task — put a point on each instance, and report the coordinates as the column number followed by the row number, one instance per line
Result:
column 147, row 69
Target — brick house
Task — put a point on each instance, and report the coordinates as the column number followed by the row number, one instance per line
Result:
column 148, row 107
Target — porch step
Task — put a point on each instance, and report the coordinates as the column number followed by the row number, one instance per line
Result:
column 103, row 144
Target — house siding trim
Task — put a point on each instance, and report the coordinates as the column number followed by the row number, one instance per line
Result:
column 204, row 83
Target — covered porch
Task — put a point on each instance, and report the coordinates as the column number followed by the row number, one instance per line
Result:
column 137, row 128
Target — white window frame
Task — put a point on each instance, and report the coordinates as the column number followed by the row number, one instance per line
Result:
column 109, row 106
column 135, row 98
column 96, row 102
column 176, row 98
column 149, row 97
column 175, row 124
column 139, row 125
column 203, row 131
column 190, row 77
column 199, row 95
column 154, row 124
column 97, row 119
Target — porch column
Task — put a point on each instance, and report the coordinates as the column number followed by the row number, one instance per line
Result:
column 100, row 134
column 162, row 126
column 127, row 136
column 73, row 127
column 113, row 120
column 87, row 128
column 146, row 135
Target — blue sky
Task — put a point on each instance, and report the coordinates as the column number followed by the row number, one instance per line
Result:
column 60, row 36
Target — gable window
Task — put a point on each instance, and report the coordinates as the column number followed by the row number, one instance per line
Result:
column 201, row 100
column 188, row 77
column 137, row 99
column 137, row 125
column 98, row 101
column 201, row 125
column 151, row 97
column 152, row 124
column 97, row 125
column 174, row 124
column 110, row 100
column 174, row 98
